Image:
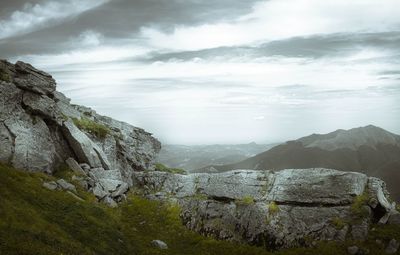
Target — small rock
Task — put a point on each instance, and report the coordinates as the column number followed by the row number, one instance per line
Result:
column 75, row 166
column 159, row 244
column 75, row 196
column 85, row 167
column 123, row 188
column 394, row 218
column 99, row 192
column 352, row 250
column 378, row 242
column 66, row 185
column 50, row 185
column 392, row 247
column 110, row 202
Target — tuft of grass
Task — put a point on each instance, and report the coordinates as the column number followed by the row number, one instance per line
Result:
column 4, row 76
column 358, row 205
column 338, row 223
column 246, row 200
column 92, row 127
column 162, row 168
column 273, row 208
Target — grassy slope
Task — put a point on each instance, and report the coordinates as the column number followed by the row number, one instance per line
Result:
column 34, row 220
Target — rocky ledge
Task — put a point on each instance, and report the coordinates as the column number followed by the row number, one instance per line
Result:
column 293, row 207
column 40, row 130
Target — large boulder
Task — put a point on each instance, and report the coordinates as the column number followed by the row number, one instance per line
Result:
column 293, row 207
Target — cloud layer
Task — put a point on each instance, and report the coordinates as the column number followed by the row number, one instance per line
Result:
column 222, row 72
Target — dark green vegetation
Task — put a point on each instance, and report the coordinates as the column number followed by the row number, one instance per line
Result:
column 34, row 220
column 162, row 168
column 4, row 76
column 92, row 127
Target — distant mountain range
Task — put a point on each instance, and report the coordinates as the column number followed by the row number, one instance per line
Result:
column 370, row 150
column 199, row 156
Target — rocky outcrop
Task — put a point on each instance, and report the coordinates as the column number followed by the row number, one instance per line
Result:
column 293, row 207
column 39, row 132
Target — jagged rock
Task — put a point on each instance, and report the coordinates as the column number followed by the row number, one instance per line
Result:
column 66, row 185
column 43, row 106
column 33, row 146
column 99, row 191
column 392, row 247
column 29, row 78
column 74, row 166
column 352, row 250
column 159, row 244
column 122, row 189
column 50, row 185
column 85, row 167
column 278, row 209
column 30, row 105
column 85, row 149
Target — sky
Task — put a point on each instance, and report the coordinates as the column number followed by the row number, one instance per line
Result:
column 226, row 71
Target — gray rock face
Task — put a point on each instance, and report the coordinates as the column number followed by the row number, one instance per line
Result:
column 37, row 132
column 283, row 209
column 159, row 244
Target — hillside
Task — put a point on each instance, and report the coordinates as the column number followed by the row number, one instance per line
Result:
column 370, row 150
column 54, row 222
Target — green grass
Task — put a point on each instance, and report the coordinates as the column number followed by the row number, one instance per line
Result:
column 162, row 168
column 246, row 200
column 273, row 208
column 338, row 223
column 358, row 205
column 34, row 220
column 92, row 127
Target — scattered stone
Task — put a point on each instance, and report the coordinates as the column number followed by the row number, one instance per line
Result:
column 99, row 192
column 50, row 185
column 110, row 202
column 352, row 250
column 394, row 218
column 66, row 185
column 159, row 244
column 74, row 166
column 75, row 196
column 392, row 247
column 122, row 189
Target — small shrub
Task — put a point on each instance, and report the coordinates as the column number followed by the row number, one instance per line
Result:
column 92, row 127
column 162, row 168
column 338, row 223
column 246, row 200
column 357, row 208
column 273, row 208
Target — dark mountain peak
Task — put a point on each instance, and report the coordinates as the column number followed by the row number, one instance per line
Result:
column 351, row 139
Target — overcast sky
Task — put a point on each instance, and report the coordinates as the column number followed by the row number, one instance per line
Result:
column 223, row 71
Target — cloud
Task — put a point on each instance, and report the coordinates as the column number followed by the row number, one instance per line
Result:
column 38, row 16
column 274, row 20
